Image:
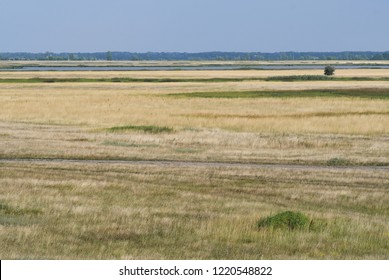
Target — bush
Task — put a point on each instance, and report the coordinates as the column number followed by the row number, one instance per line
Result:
column 329, row 70
column 286, row 220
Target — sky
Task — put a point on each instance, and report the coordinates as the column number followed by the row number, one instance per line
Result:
column 193, row 25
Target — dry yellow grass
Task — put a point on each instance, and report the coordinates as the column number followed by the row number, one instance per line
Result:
column 189, row 74
column 102, row 105
column 25, row 140
column 82, row 210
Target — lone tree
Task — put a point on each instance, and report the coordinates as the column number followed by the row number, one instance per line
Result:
column 329, row 70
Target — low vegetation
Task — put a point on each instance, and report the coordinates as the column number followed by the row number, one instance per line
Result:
column 119, row 211
column 285, row 220
column 353, row 93
column 303, row 78
column 143, row 128
column 296, row 78
column 242, row 169
column 124, row 80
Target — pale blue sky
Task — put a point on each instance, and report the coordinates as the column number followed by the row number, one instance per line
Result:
column 193, row 25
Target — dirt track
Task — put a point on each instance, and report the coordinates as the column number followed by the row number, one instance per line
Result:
column 169, row 163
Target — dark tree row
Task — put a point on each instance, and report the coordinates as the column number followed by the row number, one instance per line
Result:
column 247, row 56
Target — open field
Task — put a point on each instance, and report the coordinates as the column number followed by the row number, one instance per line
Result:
column 192, row 74
column 149, row 212
column 104, row 105
column 184, row 170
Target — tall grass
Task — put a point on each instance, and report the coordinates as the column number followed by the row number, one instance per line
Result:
column 150, row 212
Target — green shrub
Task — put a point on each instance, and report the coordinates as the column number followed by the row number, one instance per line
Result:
column 285, row 220
column 329, row 70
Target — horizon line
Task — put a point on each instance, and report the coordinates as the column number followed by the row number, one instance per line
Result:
column 187, row 52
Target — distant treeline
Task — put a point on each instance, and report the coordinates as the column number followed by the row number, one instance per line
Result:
column 247, row 56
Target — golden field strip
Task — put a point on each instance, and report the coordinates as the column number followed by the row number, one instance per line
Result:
column 81, row 208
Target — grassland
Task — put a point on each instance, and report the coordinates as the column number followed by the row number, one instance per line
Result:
column 15, row 63
column 326, row 144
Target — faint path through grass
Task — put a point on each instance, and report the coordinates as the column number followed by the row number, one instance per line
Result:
column 196, row 164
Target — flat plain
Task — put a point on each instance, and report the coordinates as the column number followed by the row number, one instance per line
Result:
column 185, row 168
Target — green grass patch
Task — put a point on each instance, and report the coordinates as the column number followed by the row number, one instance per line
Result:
column 352, row 93
column 182, row 80
column 187, row 150
column 338, row 162
column 129, row 145
column 301, row 78
column 286, row 220
column 45, row 80
column 142, row 128
column 16, row 211
column 118, row 144
column 17, row 216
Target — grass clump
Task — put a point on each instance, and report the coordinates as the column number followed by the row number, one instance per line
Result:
column 338, row 162
column 143, row 128
column 286, row 220
column 16, row 211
